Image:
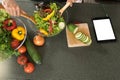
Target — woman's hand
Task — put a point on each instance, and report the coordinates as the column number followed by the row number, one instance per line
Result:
column 71, row 1
column 12, row 7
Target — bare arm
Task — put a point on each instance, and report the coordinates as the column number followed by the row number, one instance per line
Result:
column 71, row 1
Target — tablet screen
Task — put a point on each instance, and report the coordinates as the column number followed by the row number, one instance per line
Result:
column 103, row 29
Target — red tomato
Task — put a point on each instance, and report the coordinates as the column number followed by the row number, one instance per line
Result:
column 29, row 67
column 15, row 43
column 38, row 40
column 22, row 60
column 22, row 49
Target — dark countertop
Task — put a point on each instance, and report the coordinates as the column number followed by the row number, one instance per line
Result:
column 100, row 61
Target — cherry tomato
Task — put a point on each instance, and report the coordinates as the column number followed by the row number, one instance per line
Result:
column 15, row 43
column 22, row 60
column 29, row 67
column 22, row 49
column 38, row 40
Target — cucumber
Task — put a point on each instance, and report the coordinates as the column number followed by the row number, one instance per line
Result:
column 61, row 25
column 33, row 52
column 78, row 35
column 86, row 40
column 72, row 28
column 89, row 41
column 83, row 38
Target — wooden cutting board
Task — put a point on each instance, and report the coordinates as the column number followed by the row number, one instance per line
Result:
column 72, row 41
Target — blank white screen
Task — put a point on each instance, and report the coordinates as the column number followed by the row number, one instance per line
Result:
column 103, row 29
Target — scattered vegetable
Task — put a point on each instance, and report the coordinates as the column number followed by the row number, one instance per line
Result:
column 18, row 33
column 29, row 67
column 32, row 51
column 22, row 59
column 38, row 40
column 22, row 49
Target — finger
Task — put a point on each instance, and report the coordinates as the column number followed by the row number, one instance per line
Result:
column 12, row 11
column 3, row 3
column 9, row 11
column 17, row 11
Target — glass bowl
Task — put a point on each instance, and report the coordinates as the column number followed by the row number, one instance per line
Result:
column 6, row 51
column 19, row 22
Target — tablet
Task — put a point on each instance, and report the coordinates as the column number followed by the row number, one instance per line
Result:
column 103, row 29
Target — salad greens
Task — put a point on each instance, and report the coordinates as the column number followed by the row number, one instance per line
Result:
column 48, row 18
column 3, row 15
column 5, row 38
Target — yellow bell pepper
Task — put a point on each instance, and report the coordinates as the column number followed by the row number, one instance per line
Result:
column 49, row 16
column 18, row 33
column 43, row 31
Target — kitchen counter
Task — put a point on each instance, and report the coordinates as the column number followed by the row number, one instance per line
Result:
column 99, row 61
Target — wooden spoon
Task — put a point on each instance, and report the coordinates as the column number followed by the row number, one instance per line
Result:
column 64, row 7
column 31, row 18
column 25, row 15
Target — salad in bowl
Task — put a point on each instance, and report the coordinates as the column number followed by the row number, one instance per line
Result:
column 49, row 22
column 12, row 35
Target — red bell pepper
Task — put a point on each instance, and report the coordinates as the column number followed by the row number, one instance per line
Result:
column 47, row 10
column 9, row 24
column 50, row 29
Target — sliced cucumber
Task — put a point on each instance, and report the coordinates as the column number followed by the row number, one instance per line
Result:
column 75, row 30
column 61, row 25
column 78, row 35
column 83, row 38
column 72, row 28
column 86, row 40
column 33, row 52
column 89, row 42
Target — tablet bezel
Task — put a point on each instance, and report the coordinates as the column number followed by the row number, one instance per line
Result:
column 106, row 40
